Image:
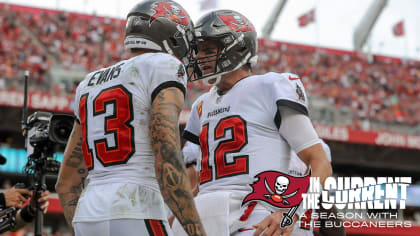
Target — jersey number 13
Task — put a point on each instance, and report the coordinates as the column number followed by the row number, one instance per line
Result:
column 117, row 124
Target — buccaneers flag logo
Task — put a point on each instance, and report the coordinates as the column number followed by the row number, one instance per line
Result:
column 170, row 11
column 237, row 23
column 280, row 191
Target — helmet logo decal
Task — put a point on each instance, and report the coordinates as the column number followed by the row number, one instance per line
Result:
column 171, row 12
column 237, row 23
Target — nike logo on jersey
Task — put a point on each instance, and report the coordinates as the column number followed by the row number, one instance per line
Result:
column 293, row 78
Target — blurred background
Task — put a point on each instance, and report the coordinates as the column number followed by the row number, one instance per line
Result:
column 359, row 61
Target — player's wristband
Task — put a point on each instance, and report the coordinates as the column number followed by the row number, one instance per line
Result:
column 27, row 214
column 2, row 201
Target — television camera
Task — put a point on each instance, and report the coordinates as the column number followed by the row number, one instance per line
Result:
column 43, row 132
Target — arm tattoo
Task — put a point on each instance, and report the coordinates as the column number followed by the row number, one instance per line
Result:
column 74, row 164
column 170, row 171
column 76, row 156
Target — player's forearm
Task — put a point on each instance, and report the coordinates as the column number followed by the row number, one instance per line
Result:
column 316, row 158
column 321, row 168
column 72, row 174
column 68, row 203
column 319, row 163
column 69, row 194
column 176, row 191
column 175, row 187
column 170, row 171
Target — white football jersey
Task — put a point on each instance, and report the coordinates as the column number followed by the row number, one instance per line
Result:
column 112, row 106
column 239, row 131
column 304, row 227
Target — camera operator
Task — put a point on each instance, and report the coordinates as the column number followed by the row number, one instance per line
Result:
column 16, row 198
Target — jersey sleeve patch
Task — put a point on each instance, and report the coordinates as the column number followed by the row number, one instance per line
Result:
column 287, row 90
column 286, row 86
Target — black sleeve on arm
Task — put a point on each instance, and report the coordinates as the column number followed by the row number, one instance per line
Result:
column 286, row 103
column 165, row 85
column 191, row 137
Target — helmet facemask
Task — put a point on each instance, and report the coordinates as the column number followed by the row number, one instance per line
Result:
column 222, row 64
column 200, row 63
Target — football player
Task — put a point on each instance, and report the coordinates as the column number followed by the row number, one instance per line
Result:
column 245, row 125
column 126, row 140
column 303, row 227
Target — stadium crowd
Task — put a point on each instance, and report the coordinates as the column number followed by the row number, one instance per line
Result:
column 381, row 89
column 377, row 88
column 77, row 41
column 18, row 53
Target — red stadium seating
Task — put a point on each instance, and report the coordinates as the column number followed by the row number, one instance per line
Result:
column 384, row 89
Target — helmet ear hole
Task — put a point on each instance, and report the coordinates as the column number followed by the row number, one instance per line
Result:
column 242, row 50
column 174, row 42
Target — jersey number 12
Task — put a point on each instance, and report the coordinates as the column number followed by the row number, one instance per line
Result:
column 238, row 140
